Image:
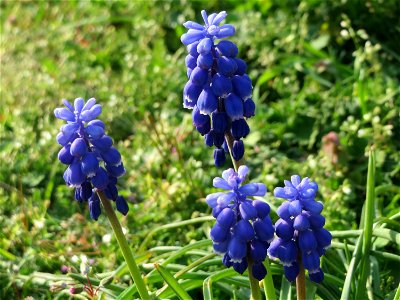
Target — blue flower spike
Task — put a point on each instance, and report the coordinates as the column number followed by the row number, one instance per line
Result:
column 301, row 237
column 218, row 86
column 243, row 229
column 93, row 163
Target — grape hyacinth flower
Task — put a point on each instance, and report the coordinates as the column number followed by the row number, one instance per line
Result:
column 218, row 90
column 301, row 237
column 243, row 229
column 93, row 163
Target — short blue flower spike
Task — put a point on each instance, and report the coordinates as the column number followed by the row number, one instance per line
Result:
column 243, row 229
column 300, row 232
column 218, row 85
column 93, row 162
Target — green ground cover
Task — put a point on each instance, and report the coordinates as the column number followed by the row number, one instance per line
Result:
column 326, row 83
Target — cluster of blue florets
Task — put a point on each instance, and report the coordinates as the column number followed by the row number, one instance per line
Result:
column 243, row 229
column 85, row 147
column 219, row 91
column 300, row 232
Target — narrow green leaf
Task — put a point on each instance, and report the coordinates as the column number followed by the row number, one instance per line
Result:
column 367, row 227
column 351, row 270
column 172, row 282
column 207, row 284
column 187, row 285
column 286, row 290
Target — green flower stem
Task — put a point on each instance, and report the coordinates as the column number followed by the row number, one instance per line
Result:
column 123, row 244
column 301, row 283
column 254, row 283
column 269, row 288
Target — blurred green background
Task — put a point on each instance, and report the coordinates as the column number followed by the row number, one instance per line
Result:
column 326, row 83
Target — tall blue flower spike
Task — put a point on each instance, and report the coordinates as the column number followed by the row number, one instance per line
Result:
column 243, row 229
column 218, row 90
column 93, row 162
column 300, row 232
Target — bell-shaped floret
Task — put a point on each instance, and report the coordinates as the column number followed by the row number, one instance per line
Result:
column 240, row 129
column 217, row 210
column 316, row 221
column 226, row 66
column 205, row 128
column 312, row 206
column 192, row 49
column 249, row 108
column 192, row 36
column 238, row 150
column 78, row 147
column 273, row 249
column 111, row 157
column 219, row 122
column 226, row 218
column 221, row 85
column 64, row 114
column 211, row 199
column 218, row 233
column 94, row 207
column 247, row 211
column 102, row 144
column 225, row 30
column 264, row 229
column 74, row 176
column 243, row 231
column 323, row 236
column 226, row 260
column 287, row 253
column 191, row 93
column 89, row 164
column 199, row 76
column 204, row 46
column 221, row 248
column 241, row 66
column 242, row 86
column 85, row 191
column 94, row 131
column 259, row 271
column 205, row 61
column 190, row 61
column 311, row 261
column 237, row 250
column 198, row 118
column 65, row 156
column 262, row 208
column 301, row 222
column 219, row 157
column 288, row 193
column 317, row 276
column 295, row 208
column 116, row 171
column 292, row 271
column 307, row 241
column 284, row 229
column 258, row 250
column 207, row 101
column 100, row 180
column 283, row 211
column 111, row 191
column 234, row 107
column 122, row 205
column 227, row 48
column 240, row 267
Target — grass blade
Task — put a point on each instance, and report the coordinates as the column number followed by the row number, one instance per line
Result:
column 367, row 227
column 172, row 282
column 207, row 284
column 286, row 290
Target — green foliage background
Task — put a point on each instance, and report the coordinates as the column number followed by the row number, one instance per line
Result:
column 316, row 66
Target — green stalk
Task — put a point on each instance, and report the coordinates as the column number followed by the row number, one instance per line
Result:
column 269, row 288
column 301, row 283
column 254, row 283
column 123, row 244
